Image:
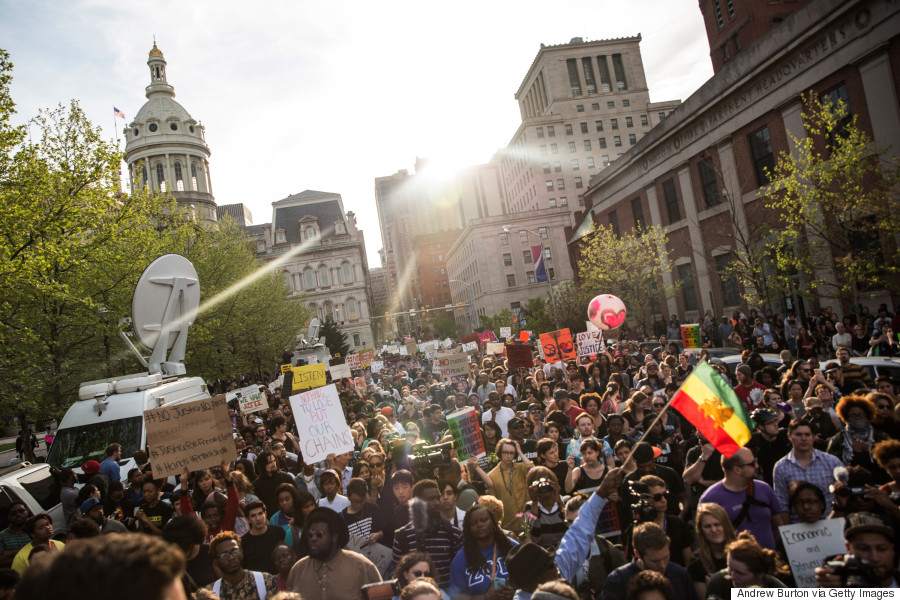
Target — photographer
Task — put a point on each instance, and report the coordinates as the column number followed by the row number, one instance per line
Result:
column 870, row 559
column 651, row 507
column 546, row 505
column 854, row 492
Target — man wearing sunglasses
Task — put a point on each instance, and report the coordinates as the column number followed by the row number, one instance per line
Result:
column 751, row 503
column 677, row 529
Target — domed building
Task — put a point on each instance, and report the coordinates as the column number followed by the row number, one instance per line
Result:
column 165, row 147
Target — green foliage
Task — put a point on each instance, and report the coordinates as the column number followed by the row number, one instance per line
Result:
column 445, row 325
column 335, row 339
column 538, row 318
column 835, row 204
column 504, row 318
column 629, row 266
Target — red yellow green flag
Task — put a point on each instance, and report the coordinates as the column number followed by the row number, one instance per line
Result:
column 710, row 404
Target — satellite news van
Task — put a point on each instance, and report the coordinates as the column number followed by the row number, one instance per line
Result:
column 111, row 410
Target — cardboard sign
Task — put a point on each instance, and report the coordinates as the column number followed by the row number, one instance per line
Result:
column 411, row 348
column 403, row 351
column 470, row 347
column 451, row 363
column 250, row 399
column 448, row 343
column 558, row 346
column 466, row 432
column 360, row 359
column 307, row 377
column 690, row 336
column 519, row 355
column 588, row 342
column 392, row 350
column 506, row 332
column 321, row 425
column 377, row 366
column 379, row 555
column 339, row 371
column 285, row 368
column 196, row 435
column 807, row 545
column 472, row 337
column 495, row 348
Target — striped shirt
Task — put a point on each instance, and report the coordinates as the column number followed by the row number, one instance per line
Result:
column 441, row 545
column 820, row 472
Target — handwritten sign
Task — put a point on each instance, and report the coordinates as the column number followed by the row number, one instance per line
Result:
column 377, row 366
column 494, row 348
column 558, row 346
column 470, row 337
column 451, row 363
column 285, row 368
column 466, row 432
column 307, row 377
column 506, row 332
column 808, row 544
column 380, row 555
column 411, row 348
column 690, row 335
column 470, row 347
column 487, row 336
column 250, row 399
column 339, row 371
column 588, row 342
column 404, row 351
column 361, row 359
column 392, row 350
column 195, row 435
column 320, row 424
column 519, row 355
column 446, row 344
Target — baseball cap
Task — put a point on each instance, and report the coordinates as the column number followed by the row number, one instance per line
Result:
column 91, row 467
column 88, row 504
column 466, row 499
column 560, row 394
column 812, row 402
column 644, row 452
column 745, row 369
column 387, row 410
column 866, row 522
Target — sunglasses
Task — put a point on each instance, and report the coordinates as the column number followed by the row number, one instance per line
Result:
column 535, row 411
column 658, row 497
column 376, row 464
column 658, row 405
column 420, row 573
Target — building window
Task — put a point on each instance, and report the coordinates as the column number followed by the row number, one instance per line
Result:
column 671, row 201
column 615, row 123
column 179, row 181
column 719, row 20
column 614, row 223
column 595, row 106
column 617, row 141
column 571, row 146
column 629, row 122
column 729, row 6
column 580, row 199
column 603, row 72
column 632, row 139
column 529, row 275
column 761, row 152
column 543, row 232
column 279, row 237
column 547, row 254
column 511, row 280
column 523, row 236
column 346, row 273
column 727, row 280
column 662, row 117
column 590, row 162
column 563, row 201
column 543, row 149
column 324, row 280
column 626, row 102
column 560, row 184
column 587, row 145
column 504, row 239
column 584, row 128
column 574, row 82
column 351, row 309
column 507, row 260
column 552, row 202
column 589, row 80
column 708, row 182
column 356, row 340
column 568, row 129
column 193, row 176
column 551, row 131
column 540, row 132
column 611, row 104
column 645, row 122
column 578, row 182
column 551, row 273
column 833, row 98
column 637, row 211
column 260, row 246
column 557, row 166
column 554, row 149
column 526, row 257
column 580, row 108
column 309, row 279
column 599, row 125
column 160, row 178
column 688, row 292
column 602, row 142
column 546, row 167
column 605, row 159
column 574, row 164
column 549, row 184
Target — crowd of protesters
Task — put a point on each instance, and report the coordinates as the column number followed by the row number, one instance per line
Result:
column 591, row 486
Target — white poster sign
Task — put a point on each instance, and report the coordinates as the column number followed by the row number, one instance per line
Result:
column 312, row 359
column 321, row 425
column 377, row 365
column 588, row 342
column 470, row 347
column 403, row 351
column 495, row 348
column 339, row 371
column 392, row 350
column 506, row 332
column 250, row 399
column 807, row 545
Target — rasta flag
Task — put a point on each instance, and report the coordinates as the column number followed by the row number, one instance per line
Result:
column 709, row 403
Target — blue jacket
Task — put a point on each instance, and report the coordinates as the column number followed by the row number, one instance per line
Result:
column 615, row 585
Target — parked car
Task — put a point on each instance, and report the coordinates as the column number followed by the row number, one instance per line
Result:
column 877, row 366
column 36, row 486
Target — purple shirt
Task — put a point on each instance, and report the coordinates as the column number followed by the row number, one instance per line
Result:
column 759, row 519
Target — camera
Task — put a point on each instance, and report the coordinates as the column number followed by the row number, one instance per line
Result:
column 856, row 572
column 425, row 459
column 642, row 508
column 542, row 485
column 847, row 491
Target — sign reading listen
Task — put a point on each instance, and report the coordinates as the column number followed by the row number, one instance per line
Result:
column 320, row 423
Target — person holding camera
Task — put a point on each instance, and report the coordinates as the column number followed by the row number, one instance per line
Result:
column 854, row 491
column 651, row 507
column 870, row 558
column 549, row 525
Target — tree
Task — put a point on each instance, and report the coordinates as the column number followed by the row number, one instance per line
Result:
column 627, row 265
column 504, row 318
column 445, row 325
column 835, row 203
column 537, row 316
column 335, row 339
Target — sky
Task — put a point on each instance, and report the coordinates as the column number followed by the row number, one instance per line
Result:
column 299, row 95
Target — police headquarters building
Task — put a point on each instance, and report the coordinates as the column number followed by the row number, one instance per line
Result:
column 699, row 173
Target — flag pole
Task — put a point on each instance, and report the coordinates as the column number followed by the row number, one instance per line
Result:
column 630, row 458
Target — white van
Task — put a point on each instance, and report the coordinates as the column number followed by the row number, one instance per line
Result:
column 112, row 411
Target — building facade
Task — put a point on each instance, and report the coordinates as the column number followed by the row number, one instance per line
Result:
column 699, row 174
column 165, row 147
column 239, row 213
column 322, row 254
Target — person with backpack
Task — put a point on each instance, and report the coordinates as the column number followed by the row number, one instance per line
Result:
column 751, row 503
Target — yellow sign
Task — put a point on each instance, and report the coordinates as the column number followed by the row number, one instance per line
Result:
column 285, row 368
column 310, row 376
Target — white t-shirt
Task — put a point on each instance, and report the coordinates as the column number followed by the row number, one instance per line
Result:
column 501, row 419
column 337, row 505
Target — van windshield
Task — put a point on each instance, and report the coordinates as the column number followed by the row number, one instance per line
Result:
column 73, row 446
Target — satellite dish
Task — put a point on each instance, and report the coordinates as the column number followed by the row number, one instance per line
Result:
column 165, row 304
column 313, row 332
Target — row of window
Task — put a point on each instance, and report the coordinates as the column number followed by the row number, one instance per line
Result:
column 729, row 6
column 309, row 279
column 561, row 184
column 529, row 277
column 594, row 84
column 162, row 183
column 598, row 124
column 523, row 236
column 526, row 257
column 617, row 142
column 336, row 312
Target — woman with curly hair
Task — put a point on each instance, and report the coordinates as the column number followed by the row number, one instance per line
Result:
column 714, row 532
column 887, row 455
column 479, row 568
column 650, row 585
column 749, row 565
column 854, row 445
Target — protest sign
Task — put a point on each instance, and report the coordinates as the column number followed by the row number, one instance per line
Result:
column 471, row 337
column 487, row 336
column 377, row 366
column 466, row 432
column 470, row 347
column 808, row 544
column 307, row 377
column 392, row 350
column 411, row 348
column 519, row 355
column 194, row 434
column 588, row 342
column 339, row 371
column 360, row 359
column 285, row 368
column 495, row 348
column 379, row 555
column 506, row 332
column 250, row 399
column 430, row 354
column 558, row 346
column 448, row 343
column 524, row 336
column 276, row 384
column 452, row 363
column 403, row 351
column 608, row 524
column 321, row 425
column 690, row 335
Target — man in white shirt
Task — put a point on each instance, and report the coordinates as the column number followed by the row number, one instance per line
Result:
column 842, row 339
column 498, row 413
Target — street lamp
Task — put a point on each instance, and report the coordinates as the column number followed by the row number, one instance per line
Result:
column 472, row 304
column 506, row 229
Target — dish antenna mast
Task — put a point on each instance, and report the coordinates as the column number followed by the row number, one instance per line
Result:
column 164, row 306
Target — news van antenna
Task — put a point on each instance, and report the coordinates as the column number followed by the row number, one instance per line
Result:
column 164, row 306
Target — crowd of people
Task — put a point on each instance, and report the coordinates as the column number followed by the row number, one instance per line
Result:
column 591, row 486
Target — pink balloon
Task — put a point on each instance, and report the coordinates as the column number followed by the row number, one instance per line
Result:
column 606, row 312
